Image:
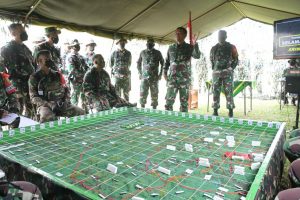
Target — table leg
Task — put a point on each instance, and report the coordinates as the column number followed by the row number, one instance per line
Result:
column 251, row 98
column 280, row 95
column 245, row 101
column 208, row 89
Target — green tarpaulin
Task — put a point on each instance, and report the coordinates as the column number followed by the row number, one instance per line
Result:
column 142, row 18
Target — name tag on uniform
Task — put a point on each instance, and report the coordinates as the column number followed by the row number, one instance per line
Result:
column 41, row 92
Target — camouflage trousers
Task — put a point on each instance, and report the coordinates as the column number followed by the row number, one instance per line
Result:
column 222, row 78
column 171, row 96
column 106, row 102
column 20, row 190
column 292, row 148
column 46, row 114
column 144, row 91
column 123, row 84
column 25, row 103
column 294, row 173
column 77, row 93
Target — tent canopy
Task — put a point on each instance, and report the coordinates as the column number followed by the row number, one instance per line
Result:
column 144, row 18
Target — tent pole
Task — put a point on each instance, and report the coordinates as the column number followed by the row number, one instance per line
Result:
column 32, row 8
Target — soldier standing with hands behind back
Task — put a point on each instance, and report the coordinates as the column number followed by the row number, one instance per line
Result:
column 150, row 73
column 224, row 59
column 120, row 62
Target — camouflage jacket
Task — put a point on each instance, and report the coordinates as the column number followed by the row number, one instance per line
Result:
column 19, row 63
column 89, row 58
column 54, row 51
column 120, row 62
column 77, row 68
column 223, row 56
column 150, row 60
column 178, row 63
column 8, row 100
column 44, row 88
column 97, row 83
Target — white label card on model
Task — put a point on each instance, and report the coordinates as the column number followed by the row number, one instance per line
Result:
column 270, row 125
column 182, row 114
column 22, row 130
column 11, row 133
column 259, row 123
column 190, row 116
column 51, row 124
column 231, row 120
column 32, row 128
column 59, row 122
column 42, row 126
column 222, row 119
column 241, row 121
column 256, row 143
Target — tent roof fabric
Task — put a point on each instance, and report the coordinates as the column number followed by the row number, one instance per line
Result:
column 147, row 18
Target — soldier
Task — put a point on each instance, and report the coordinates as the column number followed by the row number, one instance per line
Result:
column 120, row 62
column 48, row 91
column 150, row 74
column 52, row 35
column 19, row 63
column 77, row 68
column 177, row 70
column 90, row 47
column 66, row 50
column 224, row 59
column 294, row 173
column 19, row 190
column 291, row 146
column 100, row 93
column 8, row 99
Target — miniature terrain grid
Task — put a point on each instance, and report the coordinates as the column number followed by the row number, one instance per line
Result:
column 76, row 152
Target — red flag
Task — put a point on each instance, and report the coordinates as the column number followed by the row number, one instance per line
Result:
column 9, row 88
column 189, row 28
column 62, row 79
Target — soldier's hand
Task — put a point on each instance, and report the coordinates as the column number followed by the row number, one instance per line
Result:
column 165, row 77
column 4, row 114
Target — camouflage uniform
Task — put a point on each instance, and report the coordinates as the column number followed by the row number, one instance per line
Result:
column 76, row 71
column 120, row 62
column 101, row 94
column 51, row 97
column 292, row 146
column 19, row 63
column 89, row 58
column 223, row 57
column 20, row 190
column 8, row 99
column 150, row 74
column 54, row 51
column 178, row 63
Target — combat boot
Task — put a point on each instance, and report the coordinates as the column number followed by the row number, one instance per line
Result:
column 230, row 114
column 215, row 112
